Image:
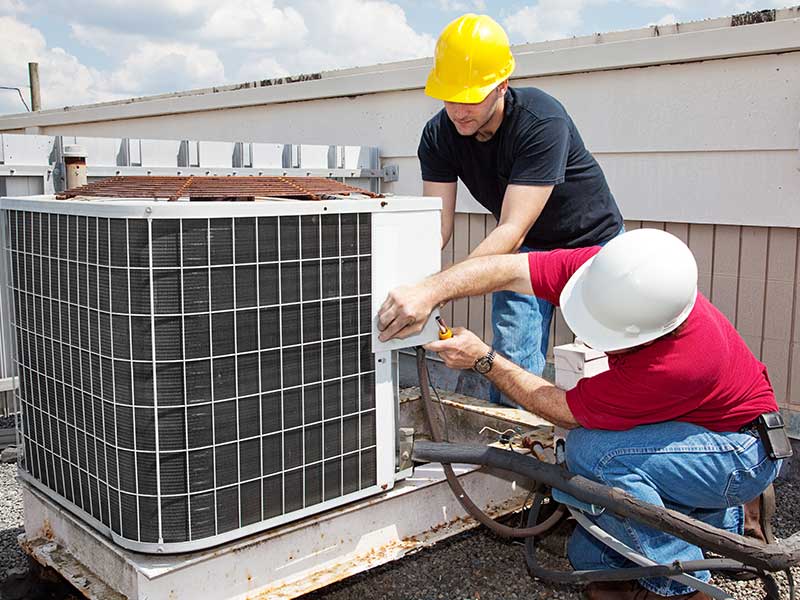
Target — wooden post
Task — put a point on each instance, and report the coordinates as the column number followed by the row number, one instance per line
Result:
column 33, row 76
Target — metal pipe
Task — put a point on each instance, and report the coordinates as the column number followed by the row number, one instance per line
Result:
column 75, row 165
column 33, row 76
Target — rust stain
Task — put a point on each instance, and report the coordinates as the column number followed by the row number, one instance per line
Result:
column 337, row 571
column 46, row 531
column 371, row 558
column 182, row 189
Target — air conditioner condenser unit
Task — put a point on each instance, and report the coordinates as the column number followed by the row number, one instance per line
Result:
column 194, row 372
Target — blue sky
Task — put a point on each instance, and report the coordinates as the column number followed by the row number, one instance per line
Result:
column 97, row 50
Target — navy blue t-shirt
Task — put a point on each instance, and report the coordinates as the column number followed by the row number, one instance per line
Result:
column 537, row 144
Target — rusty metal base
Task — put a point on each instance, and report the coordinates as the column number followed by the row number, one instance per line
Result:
column 283, row 563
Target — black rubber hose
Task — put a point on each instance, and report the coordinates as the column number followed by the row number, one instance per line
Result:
column 466, row 502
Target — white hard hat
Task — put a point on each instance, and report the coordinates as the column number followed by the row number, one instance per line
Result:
column 640, row 286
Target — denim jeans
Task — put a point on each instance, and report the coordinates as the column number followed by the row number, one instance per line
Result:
column 685, row 467
column 521, row 330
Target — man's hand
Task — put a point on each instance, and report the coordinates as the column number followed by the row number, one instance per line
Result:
column 460, row 351
column 405, row 311
column 533, row 393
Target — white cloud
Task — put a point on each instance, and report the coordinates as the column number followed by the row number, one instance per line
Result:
column 264, row 68
column 108, row 41
column 558, row 19
column 254, row 40
column 234, row 23
column 462, row 5
column 348, row 33
column 546, row 20
column 254, row 24
column 154, row 66
column 713, row 7
column 670, row 4
column 64, row 79
column 160, row 67
column 152, row 18
column 143, row 67
column 668, row 19
column 12, row 7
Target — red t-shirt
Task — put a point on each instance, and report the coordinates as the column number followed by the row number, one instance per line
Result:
column 705, row 374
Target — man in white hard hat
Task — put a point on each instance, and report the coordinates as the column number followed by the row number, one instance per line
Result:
column 680, row 419
column 519, row 153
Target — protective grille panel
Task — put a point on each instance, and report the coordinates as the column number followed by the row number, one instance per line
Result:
column 183, row 378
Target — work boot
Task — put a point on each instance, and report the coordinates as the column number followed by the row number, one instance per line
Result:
column 758, row 516
column 758, row 526
column 631, row 590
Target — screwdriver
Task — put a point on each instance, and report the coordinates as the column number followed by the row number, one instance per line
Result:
column 445, row 333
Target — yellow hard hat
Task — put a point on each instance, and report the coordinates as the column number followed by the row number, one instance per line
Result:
column 472, row 57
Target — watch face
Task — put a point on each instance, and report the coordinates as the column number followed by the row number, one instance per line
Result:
column 483, row 365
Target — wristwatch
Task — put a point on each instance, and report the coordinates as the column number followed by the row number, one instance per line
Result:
column 484, row 364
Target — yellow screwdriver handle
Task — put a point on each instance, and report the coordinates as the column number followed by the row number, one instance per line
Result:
column 445, row 333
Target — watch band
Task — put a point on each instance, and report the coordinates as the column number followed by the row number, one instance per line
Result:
column 484, row 364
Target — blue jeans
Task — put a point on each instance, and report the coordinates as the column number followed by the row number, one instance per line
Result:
column 681, row 466
column 521, row 328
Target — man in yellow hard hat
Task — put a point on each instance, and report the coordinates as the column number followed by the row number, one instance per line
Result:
column 520, row 155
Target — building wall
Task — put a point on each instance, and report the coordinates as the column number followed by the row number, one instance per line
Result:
column 703, row 142
column 699, row 142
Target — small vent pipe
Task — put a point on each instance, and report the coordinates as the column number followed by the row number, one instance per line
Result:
column 75, row 164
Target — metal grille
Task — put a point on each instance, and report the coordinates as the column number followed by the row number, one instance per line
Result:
column 215, row 188
column 183, row 378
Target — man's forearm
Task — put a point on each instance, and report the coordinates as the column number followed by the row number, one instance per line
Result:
column 532, row 393
column 478, row 276
column 504, row 239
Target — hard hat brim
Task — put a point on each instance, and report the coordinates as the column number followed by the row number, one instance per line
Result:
column 472, row 95
column 595, row 334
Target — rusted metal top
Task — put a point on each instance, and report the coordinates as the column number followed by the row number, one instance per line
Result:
column 214, row 188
